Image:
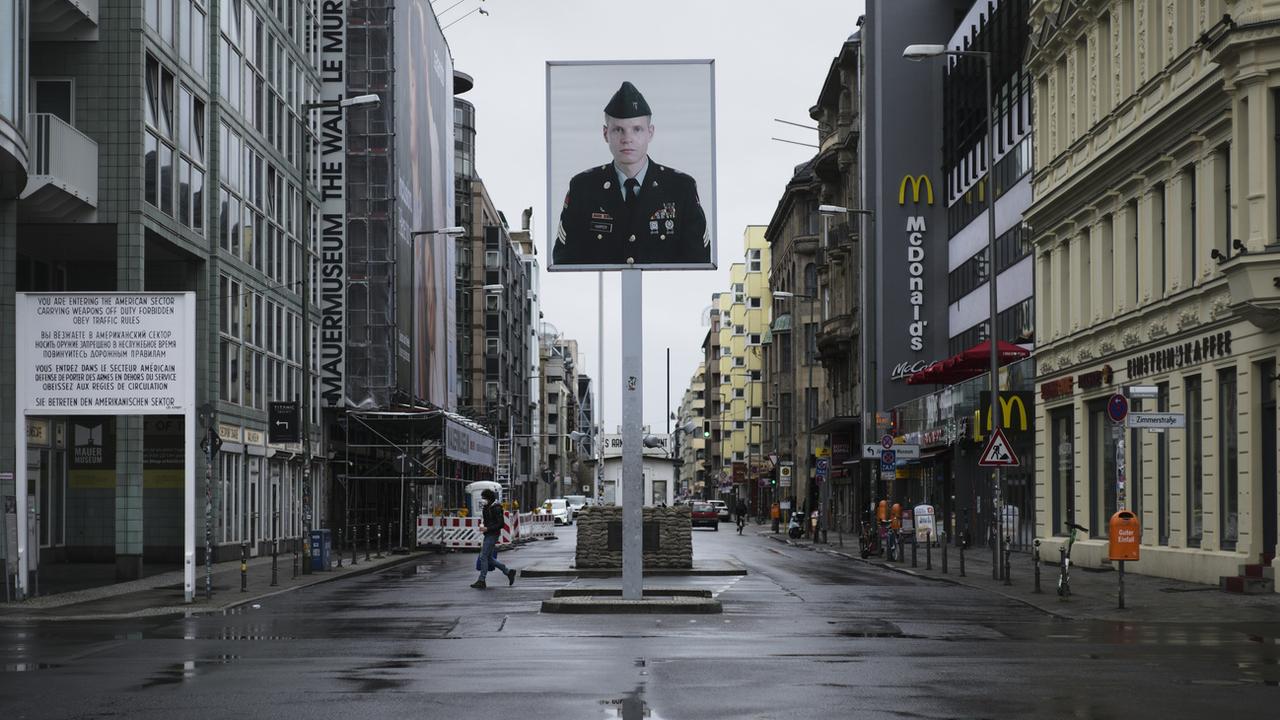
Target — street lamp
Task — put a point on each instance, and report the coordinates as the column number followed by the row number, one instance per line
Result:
column 917, row 53
column 359, row 102
column 825, row 491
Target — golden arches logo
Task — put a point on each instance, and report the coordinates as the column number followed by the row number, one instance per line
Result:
column 1007, row 403
column 916, row 182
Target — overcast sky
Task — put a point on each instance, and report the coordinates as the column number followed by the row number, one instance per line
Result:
column 770, row 60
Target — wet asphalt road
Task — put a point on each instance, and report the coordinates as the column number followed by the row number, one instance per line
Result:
column 803, row 633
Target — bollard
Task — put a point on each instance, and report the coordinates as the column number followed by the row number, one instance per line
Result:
column 379, row 555
column 295, row 558
column 943, row 541
column 962, row 544
column 337, row 548
column 355, row 546
column 306, row 555
column 368, row 532
column 1121, row 583
column 928, row 550
column 244, row 567
column 275, row 565
column 1035, row 559
column 915, row 560
column 1008, row 548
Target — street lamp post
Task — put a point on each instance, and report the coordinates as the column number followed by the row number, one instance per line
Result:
column 917, row 53
column 824, row 490
column 361, row 102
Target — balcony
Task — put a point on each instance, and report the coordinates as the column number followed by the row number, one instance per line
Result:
column 1252, row 279
column 61, row 20
column 836, row 336
column 64, row 169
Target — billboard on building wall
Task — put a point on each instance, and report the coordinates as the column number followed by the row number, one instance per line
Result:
column 426, row 355
column 331, row 231
column 631, row 165
column 905, row 188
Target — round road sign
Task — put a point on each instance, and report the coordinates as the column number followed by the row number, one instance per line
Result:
column 1118, row 408
column 886, row 442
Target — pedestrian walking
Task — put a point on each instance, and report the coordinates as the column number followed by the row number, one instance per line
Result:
column 488, row 560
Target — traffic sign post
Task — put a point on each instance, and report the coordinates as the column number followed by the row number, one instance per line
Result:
column 888, row 460
column 998, row 452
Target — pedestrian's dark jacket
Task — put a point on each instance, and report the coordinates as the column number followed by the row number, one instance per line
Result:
column 664, row 224
column 493, row 519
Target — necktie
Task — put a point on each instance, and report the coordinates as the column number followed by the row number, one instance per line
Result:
column 631, row 186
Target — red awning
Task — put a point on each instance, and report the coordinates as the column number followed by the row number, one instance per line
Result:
column 968, row 364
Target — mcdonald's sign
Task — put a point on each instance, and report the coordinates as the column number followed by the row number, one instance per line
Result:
column 1009, row 401
column 916, row 182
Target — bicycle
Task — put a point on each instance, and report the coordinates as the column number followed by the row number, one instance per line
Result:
column 1064, row 558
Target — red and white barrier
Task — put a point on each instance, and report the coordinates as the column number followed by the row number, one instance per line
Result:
column 450, row 531
column 510, row 528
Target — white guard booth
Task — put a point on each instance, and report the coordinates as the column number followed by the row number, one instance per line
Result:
column 473, row 490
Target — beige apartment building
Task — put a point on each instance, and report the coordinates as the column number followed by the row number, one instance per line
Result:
column 1156, row 212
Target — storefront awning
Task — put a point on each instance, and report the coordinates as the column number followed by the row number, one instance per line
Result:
column 967, row 364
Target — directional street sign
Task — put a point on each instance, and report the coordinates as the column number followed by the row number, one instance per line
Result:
column 283, row 424
column 998, row 452
column 1156, row 420
column 904, row 452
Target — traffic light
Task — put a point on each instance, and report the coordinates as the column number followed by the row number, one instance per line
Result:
column 706, row 431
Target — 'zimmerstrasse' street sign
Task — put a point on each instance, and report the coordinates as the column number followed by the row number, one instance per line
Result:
column 1154, row 420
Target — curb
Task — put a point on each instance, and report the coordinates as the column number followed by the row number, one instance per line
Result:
column 194, row 609
column 907, row 571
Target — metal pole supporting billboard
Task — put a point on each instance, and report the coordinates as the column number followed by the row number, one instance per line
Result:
column 632, row 434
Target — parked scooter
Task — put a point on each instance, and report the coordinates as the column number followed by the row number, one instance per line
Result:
column 795, row 528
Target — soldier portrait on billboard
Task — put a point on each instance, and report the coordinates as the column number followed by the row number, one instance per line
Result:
column 634, row 210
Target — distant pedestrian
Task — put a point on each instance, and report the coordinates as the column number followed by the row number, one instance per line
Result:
column 492, row 521
column 741, row 510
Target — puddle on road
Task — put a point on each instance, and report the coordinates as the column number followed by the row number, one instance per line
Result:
column 29, row 667
column 630, row 707
column 186, row 670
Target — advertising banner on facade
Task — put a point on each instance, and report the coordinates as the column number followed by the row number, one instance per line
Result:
column 426, row 354
column 466, row 445
column 332, row 229
column 104, row 353
column 613, row 201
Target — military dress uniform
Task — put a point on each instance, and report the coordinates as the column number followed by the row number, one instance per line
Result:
column 663, row 222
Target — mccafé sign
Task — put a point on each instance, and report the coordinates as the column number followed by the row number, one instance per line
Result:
column 916, row 229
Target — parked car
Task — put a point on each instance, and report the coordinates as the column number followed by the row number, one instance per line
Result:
column 704, row 514
column 576, row 503
column 559, row 510
column 722, row 509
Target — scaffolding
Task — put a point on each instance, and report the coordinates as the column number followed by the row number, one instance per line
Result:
column 394, row 468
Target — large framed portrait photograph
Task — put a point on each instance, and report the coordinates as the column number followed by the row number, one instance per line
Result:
column 631, row 165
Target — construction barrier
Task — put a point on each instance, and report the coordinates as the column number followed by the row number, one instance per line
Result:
column 454, row 531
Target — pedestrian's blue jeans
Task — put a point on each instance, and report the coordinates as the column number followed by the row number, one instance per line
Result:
column 489, row 556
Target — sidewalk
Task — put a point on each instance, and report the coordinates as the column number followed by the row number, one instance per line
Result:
column 162, row 594
column 1094, row 593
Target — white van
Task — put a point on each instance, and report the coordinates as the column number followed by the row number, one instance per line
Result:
column 559, row 510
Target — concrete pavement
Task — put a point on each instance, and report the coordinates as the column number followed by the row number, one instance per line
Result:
column 1094, row 593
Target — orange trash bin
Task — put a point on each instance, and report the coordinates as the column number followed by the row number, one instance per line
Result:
column 1126, row 536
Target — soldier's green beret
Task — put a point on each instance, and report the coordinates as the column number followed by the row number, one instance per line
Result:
column 627, row 103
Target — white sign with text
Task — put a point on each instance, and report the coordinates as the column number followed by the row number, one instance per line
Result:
column 105, row 353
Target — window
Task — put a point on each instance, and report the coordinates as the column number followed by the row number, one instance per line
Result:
column 739, row 393
column 1194, row 478
column 1062, row 424
column 753, row 339
column 1228, row 459
column 811, row 280
column 810, row 343
column 1102, row 469
column 810, row 407
column 753, row 303
column 753, row 261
